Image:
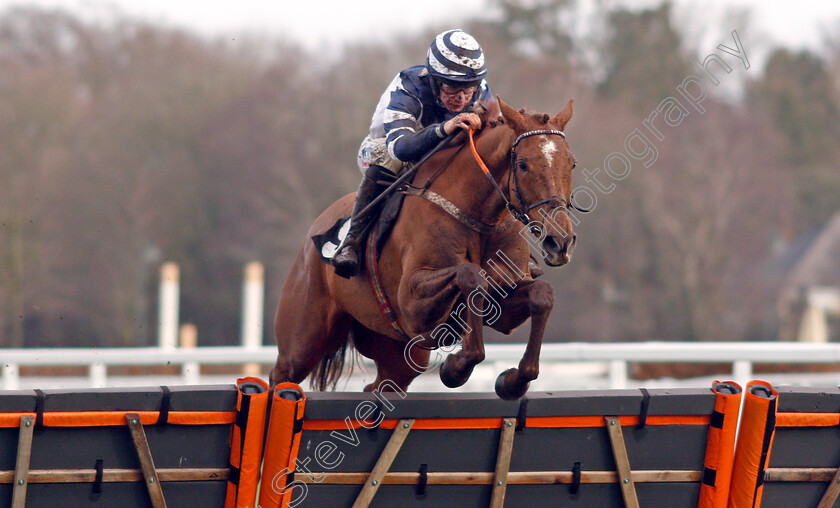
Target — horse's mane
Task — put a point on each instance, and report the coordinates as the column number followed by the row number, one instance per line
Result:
column 492, row 116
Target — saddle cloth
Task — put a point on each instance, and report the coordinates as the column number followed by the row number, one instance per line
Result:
column 332, row 239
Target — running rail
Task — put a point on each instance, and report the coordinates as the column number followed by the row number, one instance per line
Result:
column 742, row 356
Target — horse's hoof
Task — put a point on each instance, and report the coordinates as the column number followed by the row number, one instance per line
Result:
column 506, row 393
column 448, row 378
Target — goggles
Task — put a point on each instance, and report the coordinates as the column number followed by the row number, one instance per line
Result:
column 451, row 91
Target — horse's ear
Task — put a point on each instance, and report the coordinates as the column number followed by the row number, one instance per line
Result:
column 564, row 116
column 512, row 117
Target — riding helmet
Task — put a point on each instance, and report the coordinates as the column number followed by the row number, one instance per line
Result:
column 456, row 58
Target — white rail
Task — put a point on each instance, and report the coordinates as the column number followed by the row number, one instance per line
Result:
column 615, row 356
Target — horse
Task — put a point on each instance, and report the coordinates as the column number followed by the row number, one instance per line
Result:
column 448, row 267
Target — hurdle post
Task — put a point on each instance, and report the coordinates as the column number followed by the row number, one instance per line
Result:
column 168, row 306
column 11, row 376
column 253, row 297
column 190, row 371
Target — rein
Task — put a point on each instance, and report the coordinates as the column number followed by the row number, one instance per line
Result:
column 405, row 176
column 513, row 173
column 521, row 217
column 447, row 206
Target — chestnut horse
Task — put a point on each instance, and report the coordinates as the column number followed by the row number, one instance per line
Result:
column 446, row 269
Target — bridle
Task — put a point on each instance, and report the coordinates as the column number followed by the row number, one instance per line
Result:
column 522, row 216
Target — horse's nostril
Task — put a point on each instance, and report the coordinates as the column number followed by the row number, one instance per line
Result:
column 574, row 239
column 551, row 244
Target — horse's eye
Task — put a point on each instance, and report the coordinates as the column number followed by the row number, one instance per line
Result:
column 574, row 164
column 522, row 164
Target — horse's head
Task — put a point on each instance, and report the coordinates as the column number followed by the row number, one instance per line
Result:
column 540, row 178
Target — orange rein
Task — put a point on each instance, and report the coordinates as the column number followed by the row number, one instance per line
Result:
column 480, row 162
column 521, row 217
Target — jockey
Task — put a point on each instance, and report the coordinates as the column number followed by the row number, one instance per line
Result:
column 422, row 105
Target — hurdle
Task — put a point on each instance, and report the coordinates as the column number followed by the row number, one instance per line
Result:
column 126, row 447
column 618, row 448
column 204, row 446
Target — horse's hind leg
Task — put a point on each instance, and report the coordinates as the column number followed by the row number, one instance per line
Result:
column 535, row 300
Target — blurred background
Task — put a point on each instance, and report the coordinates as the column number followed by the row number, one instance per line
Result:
column 132, row 135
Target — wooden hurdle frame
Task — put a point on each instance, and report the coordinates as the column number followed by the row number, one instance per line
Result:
column 628, row 448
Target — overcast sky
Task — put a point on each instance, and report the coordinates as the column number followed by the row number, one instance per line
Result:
column 317, row 24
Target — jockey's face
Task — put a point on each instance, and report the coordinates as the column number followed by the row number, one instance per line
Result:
column 455, row 98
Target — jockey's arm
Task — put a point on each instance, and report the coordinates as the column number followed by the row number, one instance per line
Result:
column 407, row 144
column 401, row 121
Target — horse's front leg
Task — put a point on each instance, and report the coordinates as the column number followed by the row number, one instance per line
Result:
column 535, row 300
column 429, row 301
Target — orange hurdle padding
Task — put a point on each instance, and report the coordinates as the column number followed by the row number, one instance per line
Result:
column 755, row 438
column 807, row 419
column 117, row 418
column 720, row 446
column 246, row 443
column 281, row 447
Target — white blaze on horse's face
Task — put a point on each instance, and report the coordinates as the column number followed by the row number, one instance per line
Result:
column 549, row 149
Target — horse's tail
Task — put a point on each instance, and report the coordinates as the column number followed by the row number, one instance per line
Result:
column 329, row 369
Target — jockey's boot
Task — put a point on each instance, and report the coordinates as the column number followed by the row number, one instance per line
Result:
column 346, row 261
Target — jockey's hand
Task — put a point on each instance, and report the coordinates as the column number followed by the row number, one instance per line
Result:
column 464, row 121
